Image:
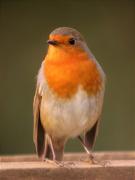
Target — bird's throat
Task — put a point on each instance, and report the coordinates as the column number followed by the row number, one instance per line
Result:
column 65, row 73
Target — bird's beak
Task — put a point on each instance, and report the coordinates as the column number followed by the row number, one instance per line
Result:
column 52, row 42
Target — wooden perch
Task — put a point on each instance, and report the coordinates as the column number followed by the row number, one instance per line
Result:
column 119, row 166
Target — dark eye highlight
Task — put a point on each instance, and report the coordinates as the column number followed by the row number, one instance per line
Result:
column 71, row 41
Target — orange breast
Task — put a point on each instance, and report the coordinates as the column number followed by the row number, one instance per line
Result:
column 65, row 75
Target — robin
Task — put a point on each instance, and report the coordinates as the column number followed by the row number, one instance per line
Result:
column 69, row 95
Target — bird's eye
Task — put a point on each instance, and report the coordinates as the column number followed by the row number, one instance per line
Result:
column 71, row 41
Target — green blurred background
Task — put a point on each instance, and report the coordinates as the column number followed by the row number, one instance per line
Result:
column 109, row 28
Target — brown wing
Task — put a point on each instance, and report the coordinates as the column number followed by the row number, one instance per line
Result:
column 90, row 136
column 38, row 131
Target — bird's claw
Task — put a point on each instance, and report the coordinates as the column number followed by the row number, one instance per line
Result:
column 60, row 163
column 103, row 163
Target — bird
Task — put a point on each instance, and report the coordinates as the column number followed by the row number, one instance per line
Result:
column 69, row 95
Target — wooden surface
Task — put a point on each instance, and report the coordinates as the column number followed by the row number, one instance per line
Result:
column 112, row 166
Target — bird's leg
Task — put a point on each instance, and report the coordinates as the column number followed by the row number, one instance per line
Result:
column 52, row 149
column 92, row 158
column 49, row 141
column 53, row 161
column 84, row 146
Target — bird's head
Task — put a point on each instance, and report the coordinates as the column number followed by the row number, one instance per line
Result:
column 66, row 40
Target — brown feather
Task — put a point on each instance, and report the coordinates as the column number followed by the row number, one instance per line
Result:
column 90, row 136
column 38, row 132
column 42, row 145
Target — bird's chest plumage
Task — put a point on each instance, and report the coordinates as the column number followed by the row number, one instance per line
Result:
column 72, row 97
column 70, row 117
column 65, row 76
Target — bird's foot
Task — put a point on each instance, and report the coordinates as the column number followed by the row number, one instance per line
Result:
column 54, row 162
column 93, row 161
column 60, row 163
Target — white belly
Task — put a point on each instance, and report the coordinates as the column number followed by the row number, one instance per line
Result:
column 70, row 118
